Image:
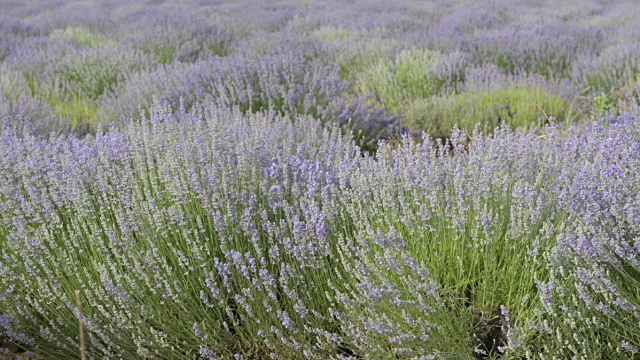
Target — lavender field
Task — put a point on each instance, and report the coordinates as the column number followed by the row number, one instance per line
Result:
column 340, row 179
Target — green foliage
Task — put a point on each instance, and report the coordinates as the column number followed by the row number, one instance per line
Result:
column 74, row 86
column 603, row 103
column 629, row 95
column 164, row 54
column 516, row 105
column 479, row 267
column 355, row 59
column 332, row 33
column 409, row 76
column 80, row 35
column 81, row 112
column 73, row 95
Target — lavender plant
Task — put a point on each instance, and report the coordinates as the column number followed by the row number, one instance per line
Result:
column 548, row 49
column 247, row 230
column 401, row 254
column 71, row 79
column 286, row 83
column 32, row 117
column 176, row 35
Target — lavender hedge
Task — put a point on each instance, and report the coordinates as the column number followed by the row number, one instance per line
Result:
column 187, row 235
column 371, row 180
column 100, row 62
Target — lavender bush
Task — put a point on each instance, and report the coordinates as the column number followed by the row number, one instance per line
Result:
column 176, row 36
column 286, row 83
column 330, row 180
column 304, row 248
column 253, row 230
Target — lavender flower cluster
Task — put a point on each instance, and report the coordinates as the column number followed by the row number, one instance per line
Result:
column 196, row 170
column 187, row 234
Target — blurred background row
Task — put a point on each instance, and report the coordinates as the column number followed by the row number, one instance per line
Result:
column 377, row 68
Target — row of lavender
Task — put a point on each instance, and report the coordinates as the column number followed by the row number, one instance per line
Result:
column 188, row 237
column 376, row 68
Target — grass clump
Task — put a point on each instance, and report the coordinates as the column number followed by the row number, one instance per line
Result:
column 517, row 104
column 410, row 75
column 80, row 36
column 360, row 56
column 81, row 112
column 332, row 33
